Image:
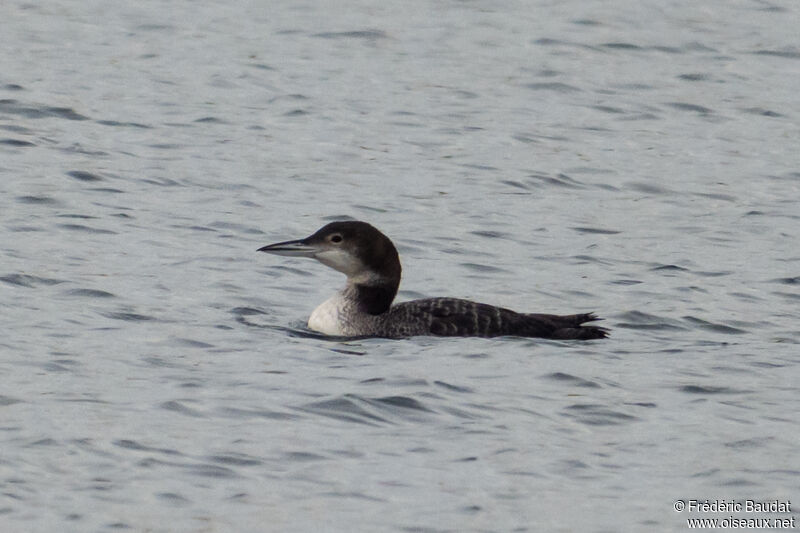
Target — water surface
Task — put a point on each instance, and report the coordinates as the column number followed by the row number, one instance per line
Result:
column 637, row 161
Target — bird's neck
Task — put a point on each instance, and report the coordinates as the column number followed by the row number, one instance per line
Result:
column 373, row 296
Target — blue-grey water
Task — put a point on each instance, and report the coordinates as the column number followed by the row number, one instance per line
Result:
column 637, row 159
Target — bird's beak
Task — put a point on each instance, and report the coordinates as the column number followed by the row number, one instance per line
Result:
column 298, row 248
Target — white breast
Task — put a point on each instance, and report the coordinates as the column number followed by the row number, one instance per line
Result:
column 328, row 317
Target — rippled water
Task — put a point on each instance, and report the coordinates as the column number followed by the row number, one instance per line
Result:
column 637, row 160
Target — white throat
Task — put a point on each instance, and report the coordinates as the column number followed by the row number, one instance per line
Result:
column 329, row 317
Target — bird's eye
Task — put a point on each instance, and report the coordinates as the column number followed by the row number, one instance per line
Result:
column 336, row 238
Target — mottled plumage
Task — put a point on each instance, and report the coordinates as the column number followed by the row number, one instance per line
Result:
column 364, row 307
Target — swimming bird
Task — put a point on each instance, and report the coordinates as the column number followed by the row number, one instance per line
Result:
column 364, row 307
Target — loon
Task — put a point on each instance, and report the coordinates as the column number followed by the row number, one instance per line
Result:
column 364, row 307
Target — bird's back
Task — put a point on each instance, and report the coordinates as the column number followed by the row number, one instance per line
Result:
column 464, row 318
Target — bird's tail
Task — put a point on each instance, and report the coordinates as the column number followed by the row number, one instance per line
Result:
column 571, row 326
